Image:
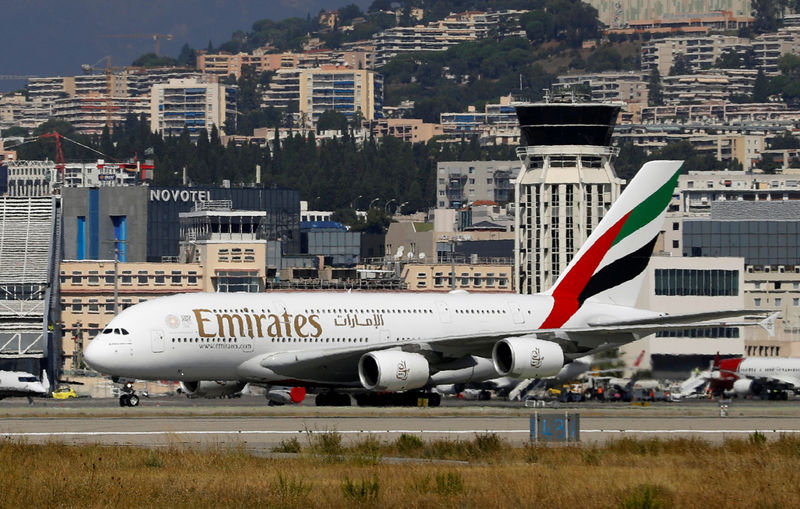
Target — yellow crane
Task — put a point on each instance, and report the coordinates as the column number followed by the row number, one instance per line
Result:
column 156, row 37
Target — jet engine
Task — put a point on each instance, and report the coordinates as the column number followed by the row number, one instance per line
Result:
column 527, row 358
column 743, row 387
column 211, row 389
column 393, row 370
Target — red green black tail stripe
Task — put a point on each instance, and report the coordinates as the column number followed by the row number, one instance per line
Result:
column 581, row 281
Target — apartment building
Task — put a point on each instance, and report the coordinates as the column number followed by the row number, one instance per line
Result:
column 701, row 52
column 459, row 183
column 620, row 13
column 194, row 104
column 717, row 85
column 226, row 64
column 438, row 35
column 628, row 87
column 317, row 90
column 91, row 113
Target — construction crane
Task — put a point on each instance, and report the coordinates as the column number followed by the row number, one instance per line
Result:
column 156, row 37
column 109, row 106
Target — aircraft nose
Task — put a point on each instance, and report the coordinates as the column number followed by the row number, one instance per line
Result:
column 98, row 355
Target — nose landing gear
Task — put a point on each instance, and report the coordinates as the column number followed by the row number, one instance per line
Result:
column 128, row 396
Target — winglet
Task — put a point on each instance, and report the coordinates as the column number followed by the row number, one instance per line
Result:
column 768, row 323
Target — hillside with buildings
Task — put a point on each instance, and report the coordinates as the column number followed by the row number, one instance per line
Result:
column 408, row 159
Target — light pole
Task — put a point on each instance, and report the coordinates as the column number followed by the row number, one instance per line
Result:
column 399, row 209
column 386, row 207
column 355, row 202
column 373, row 201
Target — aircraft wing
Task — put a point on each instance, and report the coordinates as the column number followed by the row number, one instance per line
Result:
column 341, row 364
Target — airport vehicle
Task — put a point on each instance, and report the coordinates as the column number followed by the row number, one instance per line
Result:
column 389, row 342
column 21, row 384
column 64, row 393
column 763, row 377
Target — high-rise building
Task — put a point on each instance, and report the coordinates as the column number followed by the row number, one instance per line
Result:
column 193, row 104
column 318, row 90
column 565, row 187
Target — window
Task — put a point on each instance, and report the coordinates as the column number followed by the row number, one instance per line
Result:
column 477, row 279
column 176, row 277
column 237, row 281
column 77, row 278
column 465, row 279
column 778, row 301
column 697, row 282
column 94, row 278
column 795, row 302
column 94, row 306
column 490, row 279
column 757, row 302
column 192, row 279
column 675, row 244
column 142, row 277
column 110, row 277
column 126, row 278
column 160, row 279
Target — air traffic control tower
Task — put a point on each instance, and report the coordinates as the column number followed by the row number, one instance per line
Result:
column 566, row 184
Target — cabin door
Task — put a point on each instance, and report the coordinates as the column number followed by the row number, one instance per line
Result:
column 157, row 341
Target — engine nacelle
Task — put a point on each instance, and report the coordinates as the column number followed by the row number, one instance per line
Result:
column 527, row 358
column 211, row 389
column 393, row 370
column 743, row 387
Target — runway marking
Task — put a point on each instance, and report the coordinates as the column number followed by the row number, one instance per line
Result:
column 358, row 432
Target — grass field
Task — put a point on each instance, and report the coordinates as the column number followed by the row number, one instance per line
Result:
column 320, row 471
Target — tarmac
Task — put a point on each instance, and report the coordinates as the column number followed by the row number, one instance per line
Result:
column 250, row 424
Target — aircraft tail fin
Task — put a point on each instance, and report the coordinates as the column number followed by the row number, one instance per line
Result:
column 610, row 265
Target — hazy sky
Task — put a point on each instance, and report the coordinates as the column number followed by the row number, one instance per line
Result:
column 54, row 37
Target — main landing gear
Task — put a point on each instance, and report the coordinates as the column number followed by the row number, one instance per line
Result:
column 332, row 398
column 409, row 398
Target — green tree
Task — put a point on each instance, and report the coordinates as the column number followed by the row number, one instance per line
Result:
column 655, row 96
column 330, row 120
column 784, row 141
column 680, row 65
column 761, row 87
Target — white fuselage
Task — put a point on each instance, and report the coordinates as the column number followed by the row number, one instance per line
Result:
column 780, row 368
column 212, row 336
column 20, row 383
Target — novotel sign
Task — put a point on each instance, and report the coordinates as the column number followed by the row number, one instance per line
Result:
column 183, row 195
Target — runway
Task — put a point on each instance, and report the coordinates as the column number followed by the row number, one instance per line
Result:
column 260, row 428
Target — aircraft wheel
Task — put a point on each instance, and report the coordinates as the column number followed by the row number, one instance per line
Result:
column 133, row 400
column 124, row 400
column 434, row 399
column 342, row 399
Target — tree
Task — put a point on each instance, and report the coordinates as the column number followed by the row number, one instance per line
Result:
column 14, row 131
column 784, row 141
column 680, row 65
column 152, row 60
column 331, row 120
column 761, row 88
column 768, row 15
column 187, row 56
column 655, row 97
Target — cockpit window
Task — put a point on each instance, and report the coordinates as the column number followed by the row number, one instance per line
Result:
column 107, row 331
column 116, row 331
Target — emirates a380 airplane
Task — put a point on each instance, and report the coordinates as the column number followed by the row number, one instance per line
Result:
column 369, row 342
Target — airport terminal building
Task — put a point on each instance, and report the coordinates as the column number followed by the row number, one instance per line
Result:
column 143, row 222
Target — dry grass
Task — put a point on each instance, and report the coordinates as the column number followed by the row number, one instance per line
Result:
column 482, row 473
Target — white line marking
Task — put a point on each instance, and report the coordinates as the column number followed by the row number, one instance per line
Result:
column 357, row 432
